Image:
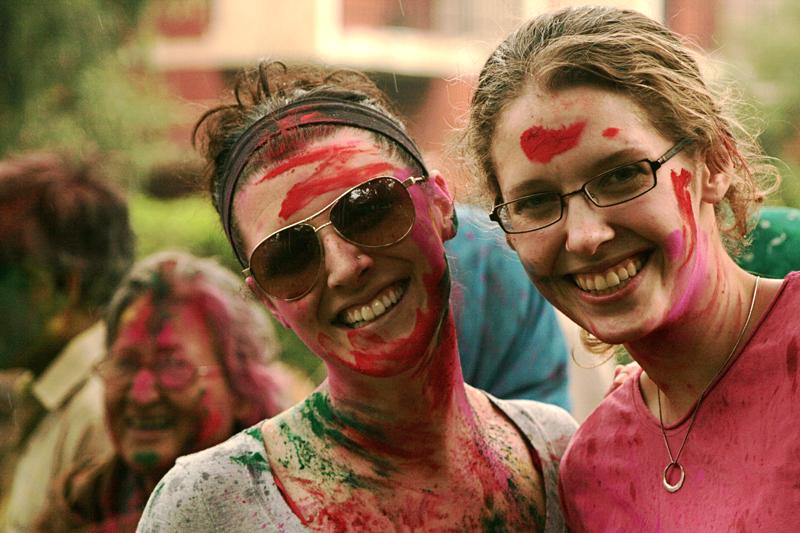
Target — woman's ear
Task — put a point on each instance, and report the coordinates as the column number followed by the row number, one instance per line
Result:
column 264, row 299
column 714, row 183
column 442, row 200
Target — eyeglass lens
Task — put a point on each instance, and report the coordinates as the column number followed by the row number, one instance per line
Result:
column 376, row 213
column 171, row 373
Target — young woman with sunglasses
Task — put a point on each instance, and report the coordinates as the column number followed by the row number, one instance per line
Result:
column 190, row 362
column 619, row 181
column 328, row 204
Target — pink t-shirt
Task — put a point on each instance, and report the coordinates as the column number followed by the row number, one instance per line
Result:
column 742, row 459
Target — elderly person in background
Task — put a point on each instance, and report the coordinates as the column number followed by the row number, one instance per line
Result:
column 65, row 243
column 190, row 361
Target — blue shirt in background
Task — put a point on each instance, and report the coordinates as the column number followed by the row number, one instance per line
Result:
column 510, row 342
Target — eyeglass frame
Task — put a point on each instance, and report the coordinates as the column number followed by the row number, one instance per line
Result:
column 406, row 183
column 654, row 167
column 199, row 372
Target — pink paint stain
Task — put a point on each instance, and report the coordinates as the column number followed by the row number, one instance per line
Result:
column 542, row 144
column 143, row 389
column 693, row 279
column 610, row 133
column 303, row 193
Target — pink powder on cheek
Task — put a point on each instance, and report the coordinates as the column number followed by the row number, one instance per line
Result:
column 675, row 245
column 542, row 144
column 610, row 133
column 303, row 193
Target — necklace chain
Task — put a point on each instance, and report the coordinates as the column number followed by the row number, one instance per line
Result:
column 673, row 461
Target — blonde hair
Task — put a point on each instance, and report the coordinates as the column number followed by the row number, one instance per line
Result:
column 628, row 53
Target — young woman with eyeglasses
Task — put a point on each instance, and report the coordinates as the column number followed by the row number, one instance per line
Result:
column 340, row 227
column 622, row 184
column 190, row 362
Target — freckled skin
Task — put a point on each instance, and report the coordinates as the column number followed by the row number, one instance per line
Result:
column 393, row 436
column 688, row 287
column 198, row 417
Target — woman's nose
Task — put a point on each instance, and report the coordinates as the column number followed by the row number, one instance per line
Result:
column 345, row 262
column 586, row 226
column 144, row 388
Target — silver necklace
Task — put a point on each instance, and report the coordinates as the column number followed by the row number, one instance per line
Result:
column 673, row 461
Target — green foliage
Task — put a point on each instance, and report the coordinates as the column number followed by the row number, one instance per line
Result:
column 191, row 224
column 765, row 47
column 80, row 84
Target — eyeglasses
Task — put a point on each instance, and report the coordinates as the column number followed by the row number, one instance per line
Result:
column 172, row 373
column 613, row 187
column 376, row 213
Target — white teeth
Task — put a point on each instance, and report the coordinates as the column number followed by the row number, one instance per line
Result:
column 609, row 281
column 372, row 310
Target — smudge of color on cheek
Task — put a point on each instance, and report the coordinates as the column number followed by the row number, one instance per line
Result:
column 542, row 144
column 303, row 193
column 674, row 245
column 610, row 133
column 329, row 154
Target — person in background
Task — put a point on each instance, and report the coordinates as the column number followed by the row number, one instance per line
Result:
column 625, row 184
column 191, row 360
column 509, row 338
column 65, row 242
column 329, row 205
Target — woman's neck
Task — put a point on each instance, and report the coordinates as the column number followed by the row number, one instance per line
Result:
column 416, row 416
column 681, row 358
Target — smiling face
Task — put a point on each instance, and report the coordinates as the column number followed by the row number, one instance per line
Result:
column 373, row 310
column 152, row 425
column 620, row 271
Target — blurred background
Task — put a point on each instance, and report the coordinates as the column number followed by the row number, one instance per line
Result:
column 123, row 81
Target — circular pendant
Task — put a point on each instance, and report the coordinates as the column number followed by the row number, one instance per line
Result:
column 677, row 486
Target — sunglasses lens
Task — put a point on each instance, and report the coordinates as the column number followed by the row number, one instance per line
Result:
column 286, row 265
column 379, row 212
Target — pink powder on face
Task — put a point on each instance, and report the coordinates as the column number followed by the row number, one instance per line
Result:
column 675, row 245
column 542, row 144
column 323, row 182
column 610, row 133
column 211, row 423
column 144, row 382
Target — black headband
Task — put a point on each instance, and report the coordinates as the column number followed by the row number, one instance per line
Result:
column 298, row 114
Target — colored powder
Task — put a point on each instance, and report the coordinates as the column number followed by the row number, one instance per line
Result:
column 255, row 432
column 143, row 384
column 674, row 245
column 303, row 193
column 610, row 133
column 252, row 460
column 147, row 458
column 542, row 144
column 327, row 154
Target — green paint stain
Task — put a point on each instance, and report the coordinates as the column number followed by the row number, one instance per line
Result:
column 147, row 458
column 255, row 432
column 252, row 460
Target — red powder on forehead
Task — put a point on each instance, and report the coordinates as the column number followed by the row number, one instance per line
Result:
column 542, row 144
column 610, row 133
column 323, row 182
column 327, row 154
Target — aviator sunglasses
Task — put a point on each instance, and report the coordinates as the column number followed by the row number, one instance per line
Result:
column 374, row 214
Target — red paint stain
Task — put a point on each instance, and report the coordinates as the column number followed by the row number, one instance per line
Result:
column 327, row 154
column 211, row 426
column 680, row 184
column 305, row 192
column 542, row 144
column 610, row 133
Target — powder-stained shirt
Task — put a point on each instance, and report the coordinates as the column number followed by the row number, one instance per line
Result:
column 509, row 339
column 230, row 487
column 741, row 460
